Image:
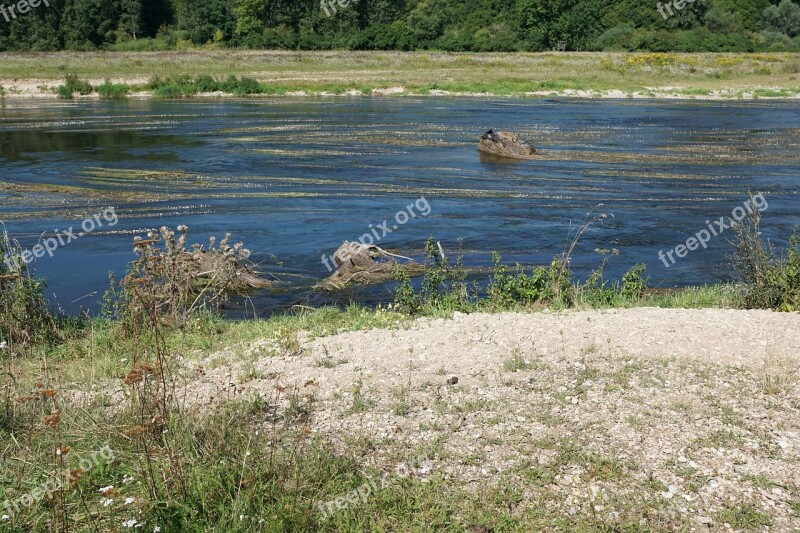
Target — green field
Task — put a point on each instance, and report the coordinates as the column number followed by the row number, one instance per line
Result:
column 581, row 74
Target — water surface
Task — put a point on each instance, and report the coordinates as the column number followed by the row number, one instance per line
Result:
column 294, row 178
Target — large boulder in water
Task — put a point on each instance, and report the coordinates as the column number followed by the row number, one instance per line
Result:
column 506, row 144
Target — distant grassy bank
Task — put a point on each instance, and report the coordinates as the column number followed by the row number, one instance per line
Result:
column 277, row 73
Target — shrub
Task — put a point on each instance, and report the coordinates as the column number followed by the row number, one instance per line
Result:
column 113, row 91
column 207, row 84
column 633, row 282
column 247, row 86
column 173, row 90
column 64, row 92
column 616, row 39
column 771, row 281
column 71, row 86
column 168, row 281
column 506, row 290
column 24, row 314
column 442, row 288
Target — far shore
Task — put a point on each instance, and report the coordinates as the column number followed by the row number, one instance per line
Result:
column 376, row 74
column 30, row 92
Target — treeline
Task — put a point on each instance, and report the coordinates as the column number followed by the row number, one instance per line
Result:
column 453, row 25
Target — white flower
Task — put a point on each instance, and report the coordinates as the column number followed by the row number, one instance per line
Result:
column 5, row 517
column 106, row 502
column 106, row 490
column 130, row 523
column 156, row 529
column 127, row 479
column 3, row 346
column 129, row 501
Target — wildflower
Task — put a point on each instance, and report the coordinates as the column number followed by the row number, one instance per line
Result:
column 156, row 529
column 5, row 517
column 106, row 490
column 130, row 523
column 106, row 502
column 129, row 501
column 3, row 346
column 74, row 476
column 134, row 376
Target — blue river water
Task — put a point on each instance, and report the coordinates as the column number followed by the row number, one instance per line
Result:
column 293, row 178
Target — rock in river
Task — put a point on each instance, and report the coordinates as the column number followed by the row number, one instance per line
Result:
column 506, row 144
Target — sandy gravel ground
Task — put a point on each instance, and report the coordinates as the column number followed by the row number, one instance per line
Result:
column 677, row 419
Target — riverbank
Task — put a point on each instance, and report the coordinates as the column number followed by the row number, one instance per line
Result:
column 642, row 419
column 581, row 75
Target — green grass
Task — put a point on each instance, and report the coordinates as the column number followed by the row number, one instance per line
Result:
column 279, row 72
column 744, row 516
column 253, row 465
column 95, row 349
column 773, row 93
column 695, row 91
column 517, row 363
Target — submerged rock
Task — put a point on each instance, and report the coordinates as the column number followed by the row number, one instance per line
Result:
column 365, row 264
column 506, row 144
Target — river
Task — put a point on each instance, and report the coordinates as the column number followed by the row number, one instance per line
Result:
column 294, row 177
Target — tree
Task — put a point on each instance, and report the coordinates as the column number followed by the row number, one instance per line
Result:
column 723, row 20
column 130, row 17
column 250, row 16
column 783, row 18
column 88, row 24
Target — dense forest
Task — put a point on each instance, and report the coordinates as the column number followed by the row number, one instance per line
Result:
column 454, row 25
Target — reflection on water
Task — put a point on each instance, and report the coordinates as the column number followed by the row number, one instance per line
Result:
column 294, row 178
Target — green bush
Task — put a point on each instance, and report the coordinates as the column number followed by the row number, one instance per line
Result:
column 247, row 86
column 64, row 92
column 771, row 280
column 207, row 84
column 174, row 90
column 183, row 86
column 509, row 289
column 24, row 314
column 113, row 91
column 633, row 282
column 73, row 85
